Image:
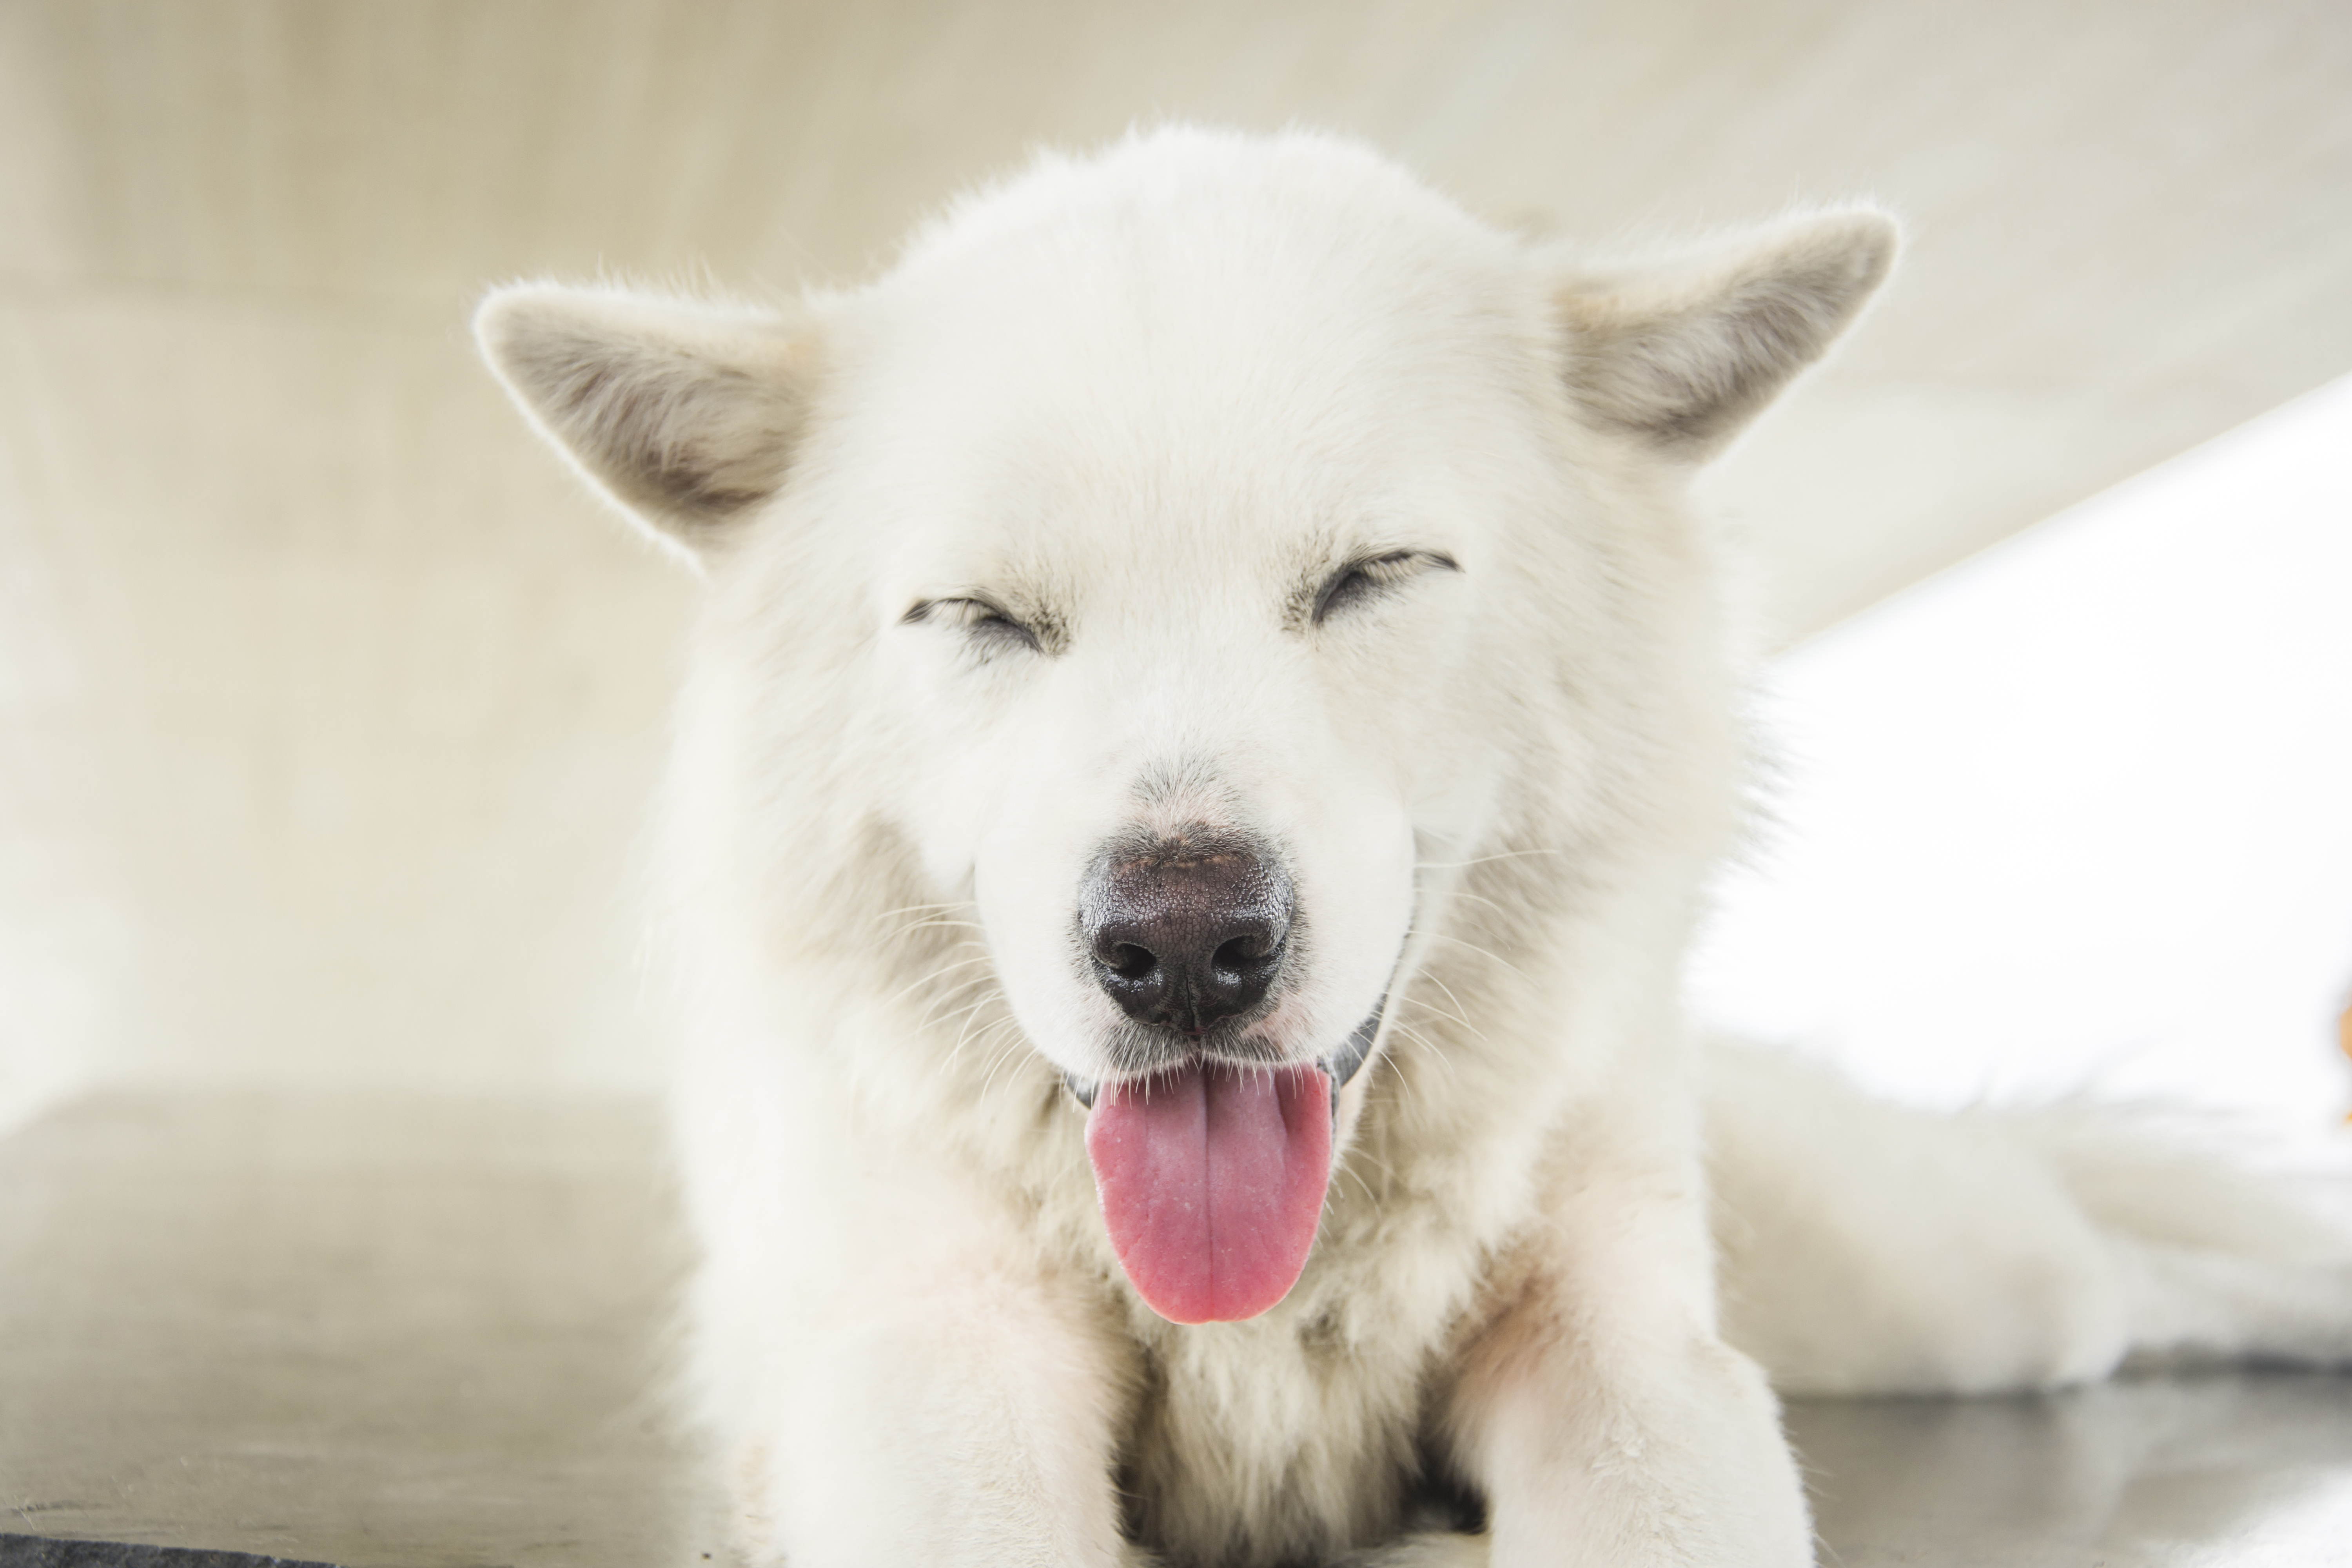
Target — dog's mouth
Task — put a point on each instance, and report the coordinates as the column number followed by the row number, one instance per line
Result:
column 1212, row 1175
column 1340, row 1066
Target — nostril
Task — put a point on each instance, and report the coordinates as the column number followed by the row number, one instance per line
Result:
column 1129, row 962
column 1242, row 952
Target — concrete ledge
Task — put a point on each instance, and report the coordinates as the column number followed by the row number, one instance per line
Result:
column 44, row 1551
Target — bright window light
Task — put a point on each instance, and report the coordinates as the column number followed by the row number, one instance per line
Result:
column 2076, row 814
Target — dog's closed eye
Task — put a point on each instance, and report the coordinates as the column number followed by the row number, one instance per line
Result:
column 984, row 623
column 1370, row 576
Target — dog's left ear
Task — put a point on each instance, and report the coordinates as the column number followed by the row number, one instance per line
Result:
column 684, row 413
column 1683, row 353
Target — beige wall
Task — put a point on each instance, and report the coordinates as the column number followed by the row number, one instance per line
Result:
column 327, row 706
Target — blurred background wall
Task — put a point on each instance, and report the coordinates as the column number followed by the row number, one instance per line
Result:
column 327, row 705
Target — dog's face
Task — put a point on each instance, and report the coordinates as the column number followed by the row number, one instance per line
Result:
column 1182, row 781
column 1194, row 648
column 1186, row 522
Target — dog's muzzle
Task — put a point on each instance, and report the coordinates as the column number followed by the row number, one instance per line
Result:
column 1341, row 1065
column 1188, row 932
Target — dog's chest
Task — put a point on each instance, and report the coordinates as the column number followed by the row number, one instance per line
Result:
column 1259, row 1443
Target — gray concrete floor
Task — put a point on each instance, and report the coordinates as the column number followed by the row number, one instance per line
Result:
column 417, row 1334
column 385, row 1334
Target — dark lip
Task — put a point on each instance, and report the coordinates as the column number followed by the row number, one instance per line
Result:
column 1357, row 1049
column 1342, row 1063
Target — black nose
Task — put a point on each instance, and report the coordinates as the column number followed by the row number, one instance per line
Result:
column 1185, row 933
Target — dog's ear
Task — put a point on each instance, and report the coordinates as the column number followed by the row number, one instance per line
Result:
column 684, row 413
column 1684, row 352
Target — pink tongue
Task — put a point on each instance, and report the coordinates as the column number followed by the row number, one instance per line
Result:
column 1211, row 1183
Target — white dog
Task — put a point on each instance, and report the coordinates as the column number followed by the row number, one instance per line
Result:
column 1207, row 732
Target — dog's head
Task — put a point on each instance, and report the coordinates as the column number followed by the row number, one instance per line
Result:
column 1191, row 557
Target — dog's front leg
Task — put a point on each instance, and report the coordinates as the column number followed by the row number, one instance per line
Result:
column 957, row 1408
column 1606, row 1422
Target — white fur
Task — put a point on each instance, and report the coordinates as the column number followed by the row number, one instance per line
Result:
column 1144, row 404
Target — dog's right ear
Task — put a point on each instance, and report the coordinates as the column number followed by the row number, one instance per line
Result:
column 682, row 413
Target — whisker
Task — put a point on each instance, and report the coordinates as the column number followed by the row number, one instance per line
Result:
column 974, row 1031
column 928, row 916
column 1359, row 1153
column 934, row 976
column 988, row 1083
column 1483, row 953
column 987, row 994
column 1483, row 859
column 1478, row 898
column 1460, row 1015
column 1430, row 1047
column 935, row 924
column 914, row 908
